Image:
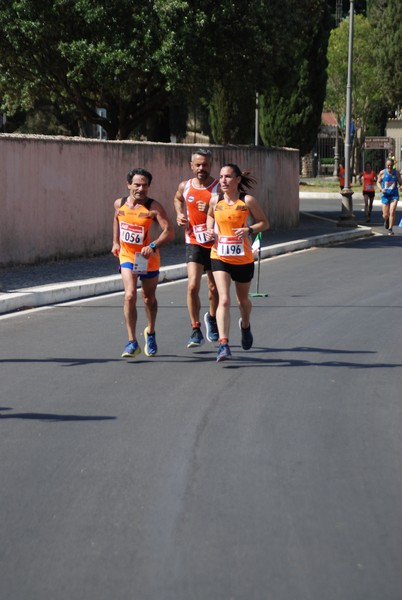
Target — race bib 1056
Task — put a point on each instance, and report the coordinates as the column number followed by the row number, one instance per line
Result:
column 131, row 234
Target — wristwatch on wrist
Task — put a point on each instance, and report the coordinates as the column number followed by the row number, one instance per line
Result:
column 153, row 246
column 250, row 231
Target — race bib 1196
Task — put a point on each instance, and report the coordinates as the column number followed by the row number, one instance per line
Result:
column 230, row 246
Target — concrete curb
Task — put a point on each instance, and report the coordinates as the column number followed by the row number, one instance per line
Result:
column 85, row 288
column 357, row 195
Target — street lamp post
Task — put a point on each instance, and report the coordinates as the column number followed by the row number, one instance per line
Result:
column 347, row 218
column 257, row 119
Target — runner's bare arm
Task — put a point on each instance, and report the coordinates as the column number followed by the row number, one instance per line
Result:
column 116, row 234
column 179, row 204
column 261, row 222
column 167, row 233
column 379, row 179
column 210, row 234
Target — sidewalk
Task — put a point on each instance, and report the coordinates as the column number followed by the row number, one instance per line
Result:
column 32, row 286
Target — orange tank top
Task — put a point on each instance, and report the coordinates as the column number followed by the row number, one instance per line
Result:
column 195, row 231
column 227, row 247
column 134, row 229
column 368, row 181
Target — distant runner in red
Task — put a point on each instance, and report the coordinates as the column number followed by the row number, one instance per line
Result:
column 368, row 178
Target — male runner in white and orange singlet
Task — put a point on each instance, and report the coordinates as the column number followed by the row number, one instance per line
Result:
column 191, row 203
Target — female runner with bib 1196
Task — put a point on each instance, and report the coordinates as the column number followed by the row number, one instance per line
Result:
column 231, row 255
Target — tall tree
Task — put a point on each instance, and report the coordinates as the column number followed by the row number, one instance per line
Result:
column 242, row 54
column 291, row 107
column 367, row 90
column 385, row 18
column 231, row 114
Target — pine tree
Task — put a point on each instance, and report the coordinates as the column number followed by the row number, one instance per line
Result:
column 291, row 108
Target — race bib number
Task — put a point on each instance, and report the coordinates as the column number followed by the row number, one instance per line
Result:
column 230, row 246
column 369, row 187
column 199, row 233
column 389, row 185
column 131, row 234
column 140, row 266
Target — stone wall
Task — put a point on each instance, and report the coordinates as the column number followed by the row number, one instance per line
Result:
column 57, row 193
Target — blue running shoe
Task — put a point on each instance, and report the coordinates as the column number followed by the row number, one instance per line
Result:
column 150, row 347
column 196, row 338
column 246, row 337
column 211, row 328
column 131, row 350
column 224, row 352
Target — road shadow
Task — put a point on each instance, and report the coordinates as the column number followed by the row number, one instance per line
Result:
column 252, row 359
column 53, row 418
column 66, row 362
column 240, row 358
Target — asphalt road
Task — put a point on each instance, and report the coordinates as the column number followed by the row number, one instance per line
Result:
column 274, row 476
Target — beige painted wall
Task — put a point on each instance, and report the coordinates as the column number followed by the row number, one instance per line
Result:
column 57, row 193
column 394, row 130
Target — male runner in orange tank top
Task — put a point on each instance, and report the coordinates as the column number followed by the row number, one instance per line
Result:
column 139, row 256
column 191, row 202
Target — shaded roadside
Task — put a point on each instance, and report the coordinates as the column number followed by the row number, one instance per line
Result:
column 20, row 277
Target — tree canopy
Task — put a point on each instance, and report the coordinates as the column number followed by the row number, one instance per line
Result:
column 286, row 65
column 385, row 19
column 291, row 107
column 367, row 88
column 139, row 58
column 127, row 56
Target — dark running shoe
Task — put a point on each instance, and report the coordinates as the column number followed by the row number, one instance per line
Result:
column 211, row 328
column 150, row 347
column 246, row 337
column 224, row 353
column 196, row 338
column 131, row 350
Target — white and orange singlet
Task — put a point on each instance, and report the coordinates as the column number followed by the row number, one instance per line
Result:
column 196, row 228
